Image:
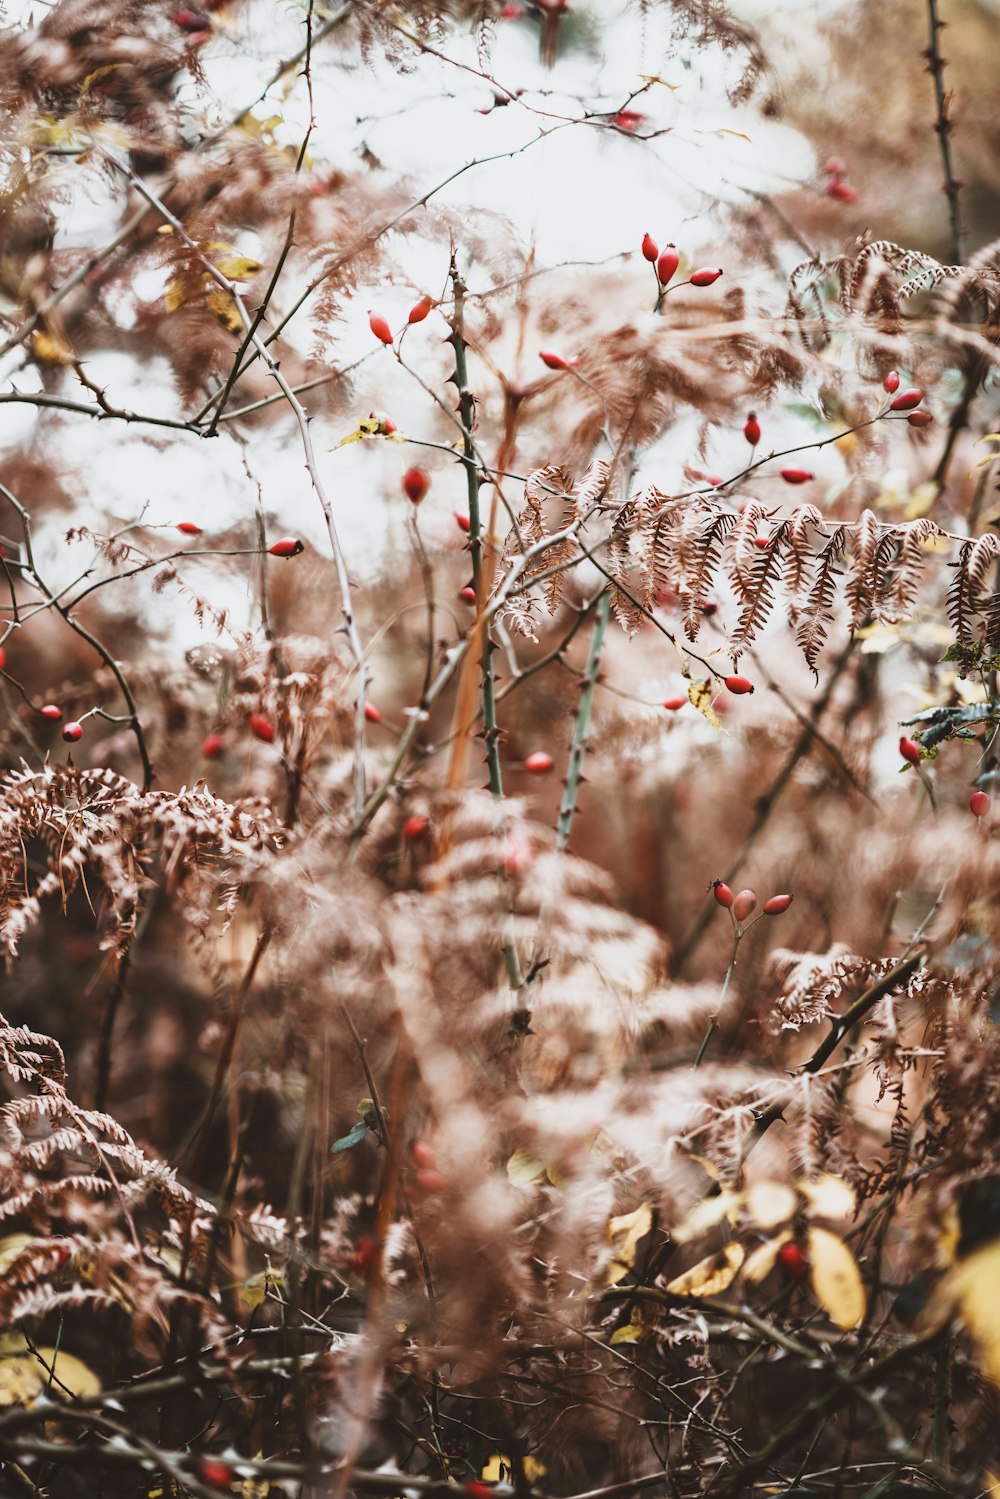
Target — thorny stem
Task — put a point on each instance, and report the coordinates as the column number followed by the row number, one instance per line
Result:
column 578, row 749
column 943, row 128
column 491, row 729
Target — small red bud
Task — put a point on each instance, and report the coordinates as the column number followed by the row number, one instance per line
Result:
column 979, row 804
column 467, row 594
column 3, row 658
column 909, row 750
column 419, row 310
column 763, row 542
column 539, row 763
column 212, row 746
column 797, row 475
column 462, row 521
column 891, row 382
column 556, row 361
column 673, row 703
column 416, row 483
column 415, row 827
column 777, row 904
column 705, row 277
column 212, row 1470
column 919, row 418
column 723, row 894
column 430, row 1181
column 476, row 1489
column 372, row 715
column 744, row 904
column 625, row 119
column 286, row 546
column 842, row 191
column 752, row 430
column 422, row 1155
column 388, row 426
column 188, row 528
column 907, row 399
column 261, row 727
column 649, row 250
column 51, row 711
column 380, row 328
column 72, row 732
column 190, row 21
column 793, row 1262
column 667, row 264
column 738, row 685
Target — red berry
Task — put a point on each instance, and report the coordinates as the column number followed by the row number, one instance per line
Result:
column 723, row 894
column 512, row 11
column 419, row 310
column 212, row 746
column 667, row 265
column 539, row 763
column 625, row 119
column 3, row 658
column 738, row 685
column 478, row 1490
column 422, row 1155
column 705, row 277
column 212, row 1470
column 556, row 361
column 364, row 1254
column 909, row 750
column 842, row 191
column 388, row 426
column 462, row 521
column 752, row 430
column 49, row 710
column 891, row 382
column 189, row 528
column 72, row 732
column 708, row 608
column 372, row 715
column 979, row 804
column 797, row 475
column 190, row 20
column 907, row 399
column 919, row 418
column 763, row 542
column 744, row 904
column 261, row 728
column 416, row 483
column 777, row 904
column 380, row 328
column 430, row 1181
column 467, row 594
column 649, row 250
column 415, row 826
column 673, row 703
column 793, row 1262
column 286, row 546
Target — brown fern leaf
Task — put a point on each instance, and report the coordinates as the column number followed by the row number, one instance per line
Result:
column 814, row 626
column 756, row 597
column 799, row 555
column 964, row 599
column 695, row 564
column 743, row 549
column 862, row 582
column 900, row 584
column 625, row 587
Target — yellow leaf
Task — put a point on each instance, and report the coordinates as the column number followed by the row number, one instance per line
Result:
column 525, row 1168
column 177, row 294
column 223, row 306
column 23, row 1376
column 836, row 1279
column 710, row 1275
column 654, row 78
column 625, row 1232
column 498, row 1468
column 700, row 696
column 758, row 1265
column 991, row 1485
column 706, row 1214
column 51, row 348
column 921, row 501
column 770, row 1203
column 533, row 1470
column 11, row 1246
column 370, row 427
column 975, row 1284
column 237, row 267
column 632, row 1332
column 828, row 1196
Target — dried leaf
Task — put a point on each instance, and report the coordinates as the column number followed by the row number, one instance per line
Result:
column 975, row 1284
column 700, row 696
column 836, row 1279
column 760, row 1262
column 625, row 1232
column 525, row 1168
column 770, row 1203
column 51, row 348
column 706, row 1214
column 25, row 1375
column 237, row 267
column 829, row 1196
column 711, row 1275
column 223, row 306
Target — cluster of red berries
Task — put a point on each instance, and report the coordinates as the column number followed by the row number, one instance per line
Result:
column 744, row 903
column 416, row 314
column 906, row 400
column 667, row 260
